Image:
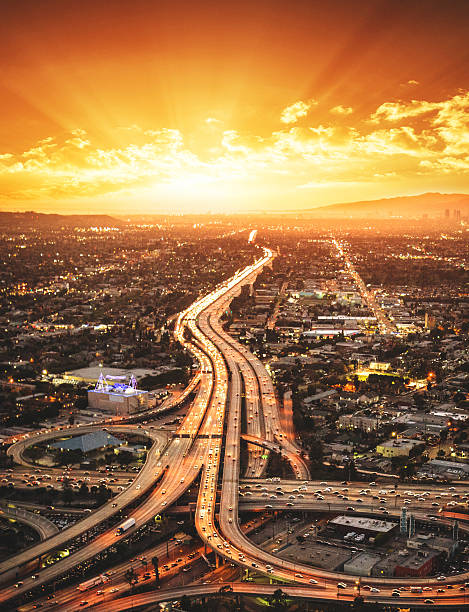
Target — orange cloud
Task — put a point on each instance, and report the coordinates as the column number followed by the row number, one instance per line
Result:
column 342, row 110
column 295, row 111
column 398, row 143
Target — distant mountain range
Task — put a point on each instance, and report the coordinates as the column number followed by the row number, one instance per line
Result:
column 20, row 220
column 434, row 205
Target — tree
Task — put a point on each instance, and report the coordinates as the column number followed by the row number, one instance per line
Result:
column 155, row 561
column 185, row 604
column 83, row 491
column 131, row 577
column 67, row 495
column 278, row 601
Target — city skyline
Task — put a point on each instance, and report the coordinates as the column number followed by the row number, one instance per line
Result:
column 232, row 108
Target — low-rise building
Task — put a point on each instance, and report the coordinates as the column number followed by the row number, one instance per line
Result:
column 371, row 527
column 397, row 448
column 361, row 564
column 404, row 563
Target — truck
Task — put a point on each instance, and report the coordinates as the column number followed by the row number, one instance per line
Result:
column 89, row 584
column 125, row 526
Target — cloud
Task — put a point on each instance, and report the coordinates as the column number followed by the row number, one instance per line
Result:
column 399, row 141
column 410, row 83
column 342, row 110
column 292, row 113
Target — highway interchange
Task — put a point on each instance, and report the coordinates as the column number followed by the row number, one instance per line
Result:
column 207, row 446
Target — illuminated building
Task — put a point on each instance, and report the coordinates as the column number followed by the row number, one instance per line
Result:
column 117, row 398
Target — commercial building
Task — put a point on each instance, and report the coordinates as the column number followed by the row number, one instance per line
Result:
column 118, row 402
column 370, row 527
column 366, row 420
column 397, row 448
column 118, row 398
column 439, row 468
column 446, row 546
column 361, row 564
column 404, row 563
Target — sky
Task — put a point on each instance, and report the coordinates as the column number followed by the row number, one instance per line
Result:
column 154, row 106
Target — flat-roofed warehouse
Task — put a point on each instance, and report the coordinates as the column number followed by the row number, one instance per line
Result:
column 361, row 564
column 370, row 527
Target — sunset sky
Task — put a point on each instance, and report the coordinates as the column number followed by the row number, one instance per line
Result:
column 133, row 106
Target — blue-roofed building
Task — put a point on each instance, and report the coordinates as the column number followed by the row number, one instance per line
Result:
column 89, row 442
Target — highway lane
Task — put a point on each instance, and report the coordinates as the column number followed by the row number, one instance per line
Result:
column 357, row 494
column 180, row 470
column 253, row 370
column 173, row 556
column 40, row 524
column 316, row 592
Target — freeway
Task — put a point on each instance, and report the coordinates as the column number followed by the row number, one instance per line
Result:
column 226, row 537
column 316, row 592
column 143, row 481
column 173, row 556
column 358, row 493
column 185, row 454
column 43, row 526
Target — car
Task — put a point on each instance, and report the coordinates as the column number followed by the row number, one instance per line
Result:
column 18, row 585
column 114, row 590
column 396, row 594
column 298, row 575
column 341, row 585
column 429, row 601
column 374, row 590
column 312, row 581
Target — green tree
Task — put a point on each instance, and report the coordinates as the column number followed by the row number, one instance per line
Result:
column 278, row 601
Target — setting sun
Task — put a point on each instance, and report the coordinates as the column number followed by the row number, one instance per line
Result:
column 238, row 107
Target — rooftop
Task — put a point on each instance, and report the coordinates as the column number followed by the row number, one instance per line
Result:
column 363, row 523
column 88, row 442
